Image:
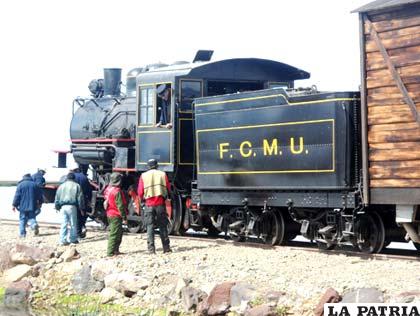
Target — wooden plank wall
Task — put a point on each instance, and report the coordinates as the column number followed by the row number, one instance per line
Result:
column 393, row 134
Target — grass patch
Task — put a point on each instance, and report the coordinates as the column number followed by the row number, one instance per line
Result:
column 282, row 310
column 88, row 305
column 2, row 291
column 256, row 302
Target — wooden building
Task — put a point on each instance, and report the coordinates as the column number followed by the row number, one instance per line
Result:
column 390, row 96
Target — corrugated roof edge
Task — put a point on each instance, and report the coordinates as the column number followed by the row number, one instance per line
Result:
column 383, row 4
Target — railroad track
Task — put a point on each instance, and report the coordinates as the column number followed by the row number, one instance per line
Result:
column 386, row 254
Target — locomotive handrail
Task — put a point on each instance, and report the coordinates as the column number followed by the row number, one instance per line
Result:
column 114, row 117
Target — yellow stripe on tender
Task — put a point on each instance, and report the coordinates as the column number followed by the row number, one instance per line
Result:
column 274, row 96
column 264, row 125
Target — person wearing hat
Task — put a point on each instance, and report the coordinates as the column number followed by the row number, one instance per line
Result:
column 116, row 212
column 68, row 199
column 164, row 92
column 154, row 188
column 38, row 178
column 27, row 200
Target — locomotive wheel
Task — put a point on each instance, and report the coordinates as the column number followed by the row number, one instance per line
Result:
column 372, row 231
column 135, row 227
column 175, row 221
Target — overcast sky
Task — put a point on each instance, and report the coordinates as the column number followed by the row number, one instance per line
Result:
column 50, row 50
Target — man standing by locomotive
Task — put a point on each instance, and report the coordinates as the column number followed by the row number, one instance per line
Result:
column 38, row 178
column 116, row 212
column 28, row 198
column 154, row 187
column 83, row 181
column 164, row 92
column 68, row 199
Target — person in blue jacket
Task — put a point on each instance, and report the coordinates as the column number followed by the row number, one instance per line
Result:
column 38, row 177
column 39, row 180
column 83, row 181
column 28, row 198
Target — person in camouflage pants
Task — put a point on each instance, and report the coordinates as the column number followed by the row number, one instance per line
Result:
column 116, row 212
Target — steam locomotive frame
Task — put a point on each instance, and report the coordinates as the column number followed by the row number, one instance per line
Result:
column 247, row 153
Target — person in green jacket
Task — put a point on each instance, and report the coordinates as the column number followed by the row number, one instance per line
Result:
column 116, row 212
column 67, row 200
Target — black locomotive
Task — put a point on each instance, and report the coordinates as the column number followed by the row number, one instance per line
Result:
column 249, row 155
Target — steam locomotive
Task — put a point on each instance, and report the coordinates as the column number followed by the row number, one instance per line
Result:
column 249, row 155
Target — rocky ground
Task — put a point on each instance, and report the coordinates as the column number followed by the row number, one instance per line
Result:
column 197, row 277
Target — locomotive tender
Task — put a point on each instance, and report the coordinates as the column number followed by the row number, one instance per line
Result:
column 248, row 154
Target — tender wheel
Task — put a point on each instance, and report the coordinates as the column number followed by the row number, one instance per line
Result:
column 370, row 233
column 291, row 228
column 271, row 229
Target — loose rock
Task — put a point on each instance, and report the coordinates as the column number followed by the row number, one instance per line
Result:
column 218, row 301
column 70, row 254
column 126, row 283
column 192, row 297
column 23, row 254
column 108, row 294
column 364, row 295
column 17, row 273
column 262, row 310
column 5, row 260
column 242, row 292
column 83, row 282
column 17, row 294
column 330, row 296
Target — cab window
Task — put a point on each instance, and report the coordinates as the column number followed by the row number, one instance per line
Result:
column 190, row 89
column 146, row 97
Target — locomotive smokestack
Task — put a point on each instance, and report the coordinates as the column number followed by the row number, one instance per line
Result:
column 112, row 81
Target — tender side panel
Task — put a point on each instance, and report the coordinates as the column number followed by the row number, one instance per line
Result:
column 301, row 143
column 393, row 133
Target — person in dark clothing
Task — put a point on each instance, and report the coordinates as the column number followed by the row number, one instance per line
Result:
column 116, row 211
column 27, row 199
column 154, row 187
column 38, row 178
column 83, row 181
column 164, row 92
